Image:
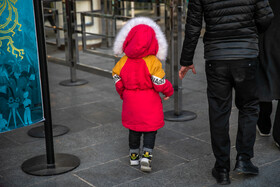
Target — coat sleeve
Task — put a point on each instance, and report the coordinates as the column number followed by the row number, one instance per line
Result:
column 116, row 76
column 192, row 31
column 158, row 78
column 263, row 15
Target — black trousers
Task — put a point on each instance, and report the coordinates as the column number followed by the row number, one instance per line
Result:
column 47, row 14
column 264, row 122
column 222, row 77
column 148, row 139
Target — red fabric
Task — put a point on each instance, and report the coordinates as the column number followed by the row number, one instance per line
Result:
column 166, row 89
column 140, row 42
column 120, row 88
column 142, row 106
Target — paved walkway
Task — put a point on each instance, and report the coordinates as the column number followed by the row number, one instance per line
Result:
column 182, row 156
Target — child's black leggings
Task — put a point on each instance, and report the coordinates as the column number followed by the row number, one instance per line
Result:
column 148, row 140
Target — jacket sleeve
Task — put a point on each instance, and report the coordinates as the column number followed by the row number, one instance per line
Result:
column 117, row 79
column 158, row 78
column 192, row 31
column 263, row 15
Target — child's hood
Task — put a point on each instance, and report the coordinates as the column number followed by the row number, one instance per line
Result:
column 140, row 37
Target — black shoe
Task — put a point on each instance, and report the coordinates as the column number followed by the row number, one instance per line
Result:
column 246, row 167
column 263, row 134
column 222, row 176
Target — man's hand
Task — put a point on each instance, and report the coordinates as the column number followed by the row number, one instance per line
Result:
column 184, row 69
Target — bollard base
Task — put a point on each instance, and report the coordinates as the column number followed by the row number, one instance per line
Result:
column 78, row 82
column 38, row 165
column 185, row 116
column 39, row 132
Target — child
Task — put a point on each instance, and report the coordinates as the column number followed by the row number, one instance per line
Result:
column 139, row 78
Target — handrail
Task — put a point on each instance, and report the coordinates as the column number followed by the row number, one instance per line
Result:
column 114, row 18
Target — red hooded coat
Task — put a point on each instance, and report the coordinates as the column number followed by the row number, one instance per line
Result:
column 139, row 78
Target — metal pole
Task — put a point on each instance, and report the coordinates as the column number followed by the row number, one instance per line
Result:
column 58, row 41
column 71, row 43
column 177, row 49
column 49, row 164
column 45, row 86
column 106, row 23
column 175, row 10
column 83, row 27
column 170, row 40
column 56, row 130
column 157, row 9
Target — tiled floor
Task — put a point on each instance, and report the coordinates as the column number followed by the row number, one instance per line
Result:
column 182, row 157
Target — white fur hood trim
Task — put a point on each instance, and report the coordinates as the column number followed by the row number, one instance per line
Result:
column 162, row 43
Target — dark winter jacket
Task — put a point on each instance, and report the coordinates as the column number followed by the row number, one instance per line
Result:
column 231, row 28
column 269, row 64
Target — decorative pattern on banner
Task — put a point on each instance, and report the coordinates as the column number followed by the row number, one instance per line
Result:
column 20, row 89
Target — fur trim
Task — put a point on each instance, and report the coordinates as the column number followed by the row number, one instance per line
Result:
column 162, row 43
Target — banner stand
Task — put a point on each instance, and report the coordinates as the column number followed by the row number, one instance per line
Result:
column 71, row 43
column 175, row 47
column 49, row 164
column 39, row 132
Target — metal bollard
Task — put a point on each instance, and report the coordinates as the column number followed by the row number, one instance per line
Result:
column 174, row 25
column 71, row 43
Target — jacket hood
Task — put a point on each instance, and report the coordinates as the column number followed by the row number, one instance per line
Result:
column 140, row 37
column 140, row 42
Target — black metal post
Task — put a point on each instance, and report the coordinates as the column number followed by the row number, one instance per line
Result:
column 44, row 84
column 49, row 164
column 71, row 43
column 175, row 8
column 168, row 15
column 40, row 131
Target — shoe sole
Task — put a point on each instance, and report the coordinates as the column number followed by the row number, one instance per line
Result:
column 145, row 165
column 240, row 171
column 261, row 134
column 134, row 162
column 146, row 168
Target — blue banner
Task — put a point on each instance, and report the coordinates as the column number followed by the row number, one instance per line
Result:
column 20, row 87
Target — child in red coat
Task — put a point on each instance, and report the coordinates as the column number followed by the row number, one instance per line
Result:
column 139, row 78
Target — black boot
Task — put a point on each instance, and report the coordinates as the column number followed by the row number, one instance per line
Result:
column 221, row 175
column 245, row 166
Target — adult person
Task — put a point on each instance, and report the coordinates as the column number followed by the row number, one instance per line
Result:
column 230, row 50
column 47, row 4
column 268, row 76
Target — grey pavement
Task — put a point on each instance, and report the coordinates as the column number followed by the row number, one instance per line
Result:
column 182, row 156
